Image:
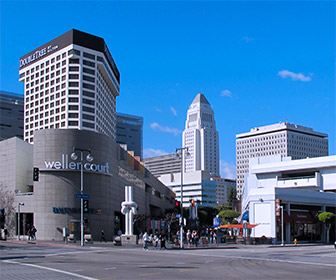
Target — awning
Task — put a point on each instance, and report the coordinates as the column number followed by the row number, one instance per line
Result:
column 301, row 217
column 236, row 226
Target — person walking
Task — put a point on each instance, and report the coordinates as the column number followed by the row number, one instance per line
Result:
column 145, row 238
column 156, row 240
column 33, row 232
column 162, row 238
column 102, row 236
column 189, row 239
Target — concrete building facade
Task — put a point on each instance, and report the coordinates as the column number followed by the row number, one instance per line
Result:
column 284, row 139
column 11, row 115
column 52, row 203
column 165, row 164
column 304, row 188
column 223, row 186
column 196, row 185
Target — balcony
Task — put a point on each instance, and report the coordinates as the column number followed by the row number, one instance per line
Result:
column 311, row 181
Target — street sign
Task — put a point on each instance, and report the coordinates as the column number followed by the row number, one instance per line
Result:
column 178, row 215
column 216, row 222
column 83, row 195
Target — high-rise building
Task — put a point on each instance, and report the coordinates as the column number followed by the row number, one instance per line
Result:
column 129, row 132
column 11, row 115
column 284, row 139
column 70, row 82
column 201, row 137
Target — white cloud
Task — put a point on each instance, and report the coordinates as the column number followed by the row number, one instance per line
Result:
column 226, row 92
column 173, row 111
column 227, row 170
column 248, row 39
column 156, row 126
column 153, row 153
column 294, row 76
column 158, row 110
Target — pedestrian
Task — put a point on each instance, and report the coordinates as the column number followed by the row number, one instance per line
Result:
column 214, row 237
column 162, row 238
column 156, row 240
column 145, row 238
column 189, row 239
column 33, row 233
column 211, row 236
column 102, row 236
column 5, row 233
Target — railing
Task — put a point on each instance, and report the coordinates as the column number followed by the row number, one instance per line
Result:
column 297, row 178
column 303, row 181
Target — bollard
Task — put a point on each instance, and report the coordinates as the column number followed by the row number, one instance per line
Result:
column 295, row 241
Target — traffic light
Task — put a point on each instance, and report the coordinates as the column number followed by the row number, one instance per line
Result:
column 36, row 173
column 177, row 207
column 86, row 206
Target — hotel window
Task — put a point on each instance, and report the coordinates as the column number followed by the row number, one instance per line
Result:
column 73, row 61
column 88, row 63
column 73, row 68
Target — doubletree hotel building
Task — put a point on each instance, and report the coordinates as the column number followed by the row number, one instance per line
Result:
column 70, row 82
column 70, row 89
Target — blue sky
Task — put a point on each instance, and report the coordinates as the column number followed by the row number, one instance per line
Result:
column 257, row 63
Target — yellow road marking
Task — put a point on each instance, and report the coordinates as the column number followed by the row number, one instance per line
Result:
column 148, row 274
column 187, row 269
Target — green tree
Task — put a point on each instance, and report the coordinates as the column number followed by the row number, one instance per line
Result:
column 228, row 216
column 328, row 219
column 232, row 193
column 220, row 208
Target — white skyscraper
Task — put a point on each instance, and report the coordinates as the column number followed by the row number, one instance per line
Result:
column 201, row 137
column 71, row 82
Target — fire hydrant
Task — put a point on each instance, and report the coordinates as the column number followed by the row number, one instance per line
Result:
column 295, row 241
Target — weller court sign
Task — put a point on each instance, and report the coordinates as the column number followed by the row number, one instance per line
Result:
column 67, row 164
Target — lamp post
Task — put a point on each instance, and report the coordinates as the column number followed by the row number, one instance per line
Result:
column 19, row 233
column 182, row 157
column 88, row 158
column 282, row 225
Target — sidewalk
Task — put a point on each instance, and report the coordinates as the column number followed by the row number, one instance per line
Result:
column 110, row 245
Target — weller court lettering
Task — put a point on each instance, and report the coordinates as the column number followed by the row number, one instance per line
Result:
column 65, row 164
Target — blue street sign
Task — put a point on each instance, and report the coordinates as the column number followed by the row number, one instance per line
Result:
column 216, row 222
column 83, row 195
column 178, row 215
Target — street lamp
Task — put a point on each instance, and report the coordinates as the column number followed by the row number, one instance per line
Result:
column 89, row 158
column 19, row 233
column 282, row 225
column 182, row 161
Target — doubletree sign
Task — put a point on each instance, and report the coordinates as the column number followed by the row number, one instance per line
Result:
column 67, row 164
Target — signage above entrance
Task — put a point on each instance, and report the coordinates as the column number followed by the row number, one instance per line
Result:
column 67, row 164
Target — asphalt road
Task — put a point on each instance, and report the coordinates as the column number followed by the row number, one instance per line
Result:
column 32, row 261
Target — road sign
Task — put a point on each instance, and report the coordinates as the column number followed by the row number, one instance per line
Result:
column 216, row 222
column 178, row 215
column 83, row 195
